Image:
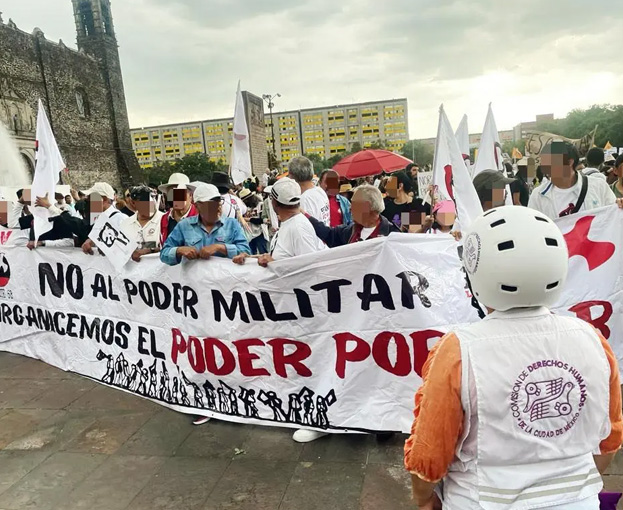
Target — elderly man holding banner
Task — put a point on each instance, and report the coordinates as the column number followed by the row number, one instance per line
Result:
column 521, row 409
column 205, row 235
column 367, row 206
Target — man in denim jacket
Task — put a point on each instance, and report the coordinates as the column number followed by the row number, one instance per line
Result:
column 205, row 235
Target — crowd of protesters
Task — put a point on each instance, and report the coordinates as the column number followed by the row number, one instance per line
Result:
column 300, row 212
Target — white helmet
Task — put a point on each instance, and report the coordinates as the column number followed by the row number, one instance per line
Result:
column 515, row 257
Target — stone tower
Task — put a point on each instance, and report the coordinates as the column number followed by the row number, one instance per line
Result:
column 96, row 37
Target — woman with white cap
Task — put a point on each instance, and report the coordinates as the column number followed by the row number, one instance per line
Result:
column 522, row 409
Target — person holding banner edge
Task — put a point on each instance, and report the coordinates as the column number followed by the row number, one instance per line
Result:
column 205, row 235
column 144, row 225
column 543, row 389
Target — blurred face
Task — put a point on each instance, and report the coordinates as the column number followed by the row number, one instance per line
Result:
column 495, row 197
column 414, row 171
column 209, row 211
column 331, row 183
column 181, row 199
column 4, row 212
column 412, row 221
column 362, row 211
column 391, row 187
column 26, row 197
column 556, row 166
column 445, row 219
column 96, row 207
column 145, row 208
column 68, row 199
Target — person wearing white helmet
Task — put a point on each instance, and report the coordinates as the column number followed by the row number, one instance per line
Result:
column 522, row 409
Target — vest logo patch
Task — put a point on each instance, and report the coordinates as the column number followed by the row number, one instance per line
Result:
column 471, row 253
column 547, row 398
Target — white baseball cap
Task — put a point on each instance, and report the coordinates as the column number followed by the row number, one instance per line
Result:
column 286, row 191
column 206, row 192
column 102, row 188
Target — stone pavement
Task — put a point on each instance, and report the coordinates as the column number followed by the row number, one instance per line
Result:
column 69, row 443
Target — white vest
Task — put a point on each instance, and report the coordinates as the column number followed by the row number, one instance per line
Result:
column 535, row 391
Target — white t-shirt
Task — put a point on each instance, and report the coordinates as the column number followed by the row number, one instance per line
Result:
column 147, row 236
column 366, row 232
column 553, row 201
column 296, row 236
column 315, row 202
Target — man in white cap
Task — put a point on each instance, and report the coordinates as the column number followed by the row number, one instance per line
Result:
column 100, row 202
column 295, row 236
column 205, row 235
column 522, row 409
column 177, row 192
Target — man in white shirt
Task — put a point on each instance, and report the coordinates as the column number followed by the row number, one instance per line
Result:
column 295, row 236
column 144, row 225
column 568, row 191
column 101, row 202
column 314, row 200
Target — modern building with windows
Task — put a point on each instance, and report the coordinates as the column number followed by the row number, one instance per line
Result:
column 324, row 131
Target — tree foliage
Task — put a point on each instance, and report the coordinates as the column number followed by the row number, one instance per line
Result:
column 418, row 151
column 197, row 166
column 578, row 123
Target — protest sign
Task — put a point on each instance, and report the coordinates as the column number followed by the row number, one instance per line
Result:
column 109, row 237
column 424, row 181
column 334, row 340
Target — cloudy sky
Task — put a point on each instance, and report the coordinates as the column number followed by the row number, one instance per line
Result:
column 182, row 58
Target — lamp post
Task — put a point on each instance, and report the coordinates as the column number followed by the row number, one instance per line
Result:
column 269, row 100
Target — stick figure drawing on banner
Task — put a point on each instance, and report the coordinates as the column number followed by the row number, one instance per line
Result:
column 197, row 393
column 153, row 380
column 109, row 376
column 248, row 398
column 270, row 399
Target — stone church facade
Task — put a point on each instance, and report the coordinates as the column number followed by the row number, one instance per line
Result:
column 82, row 91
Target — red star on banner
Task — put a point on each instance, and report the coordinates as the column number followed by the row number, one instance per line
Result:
column 596, row 253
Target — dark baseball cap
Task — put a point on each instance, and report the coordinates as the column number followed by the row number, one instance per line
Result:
column 491, row 179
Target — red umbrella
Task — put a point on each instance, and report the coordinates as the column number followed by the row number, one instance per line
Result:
column 370, row 162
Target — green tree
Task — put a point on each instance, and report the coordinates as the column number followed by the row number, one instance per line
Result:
column 355, row 147
column 378, row 145
column 419, row 152
column 197, row 166
column 579, row 122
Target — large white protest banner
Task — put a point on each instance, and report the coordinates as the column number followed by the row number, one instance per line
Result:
column 334, row 340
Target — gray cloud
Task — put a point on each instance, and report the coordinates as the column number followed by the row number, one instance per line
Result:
column 183, row 58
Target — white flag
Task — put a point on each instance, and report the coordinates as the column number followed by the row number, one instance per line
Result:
column 490, row 150
column 450, row 175
column 462, row 137
column 240, row 169
column 109, row 237
column 49, row 164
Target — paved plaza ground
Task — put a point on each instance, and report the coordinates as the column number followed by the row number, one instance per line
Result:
column 69, row 443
